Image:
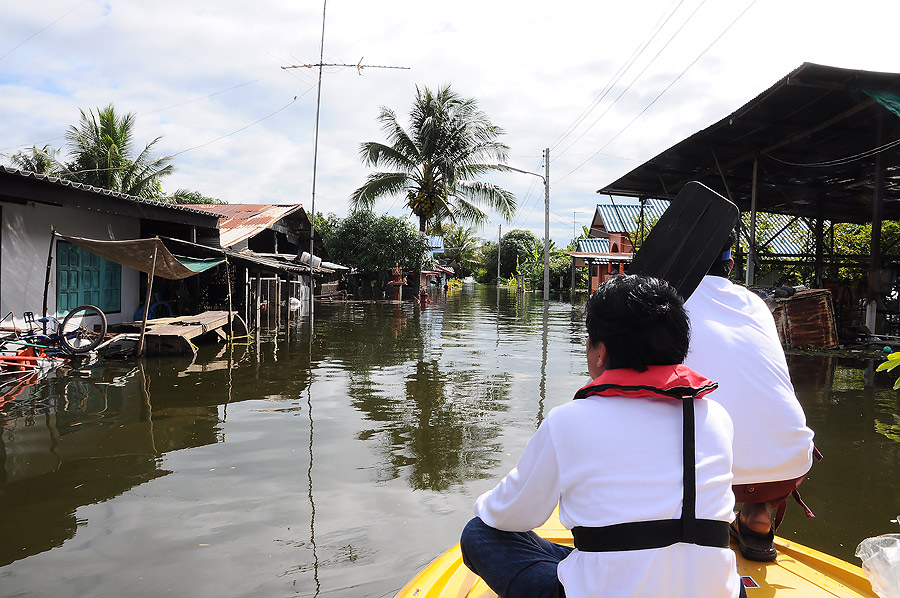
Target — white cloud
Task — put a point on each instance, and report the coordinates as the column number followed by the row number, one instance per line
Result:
column 534, row 68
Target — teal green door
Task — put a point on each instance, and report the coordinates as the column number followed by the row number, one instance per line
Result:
column 83, row 278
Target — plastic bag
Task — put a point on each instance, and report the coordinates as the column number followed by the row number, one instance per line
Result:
column 881, row 563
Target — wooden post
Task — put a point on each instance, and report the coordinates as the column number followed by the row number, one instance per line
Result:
column 572, row 296
column 258, row 303
column 47, row 276
column 820, row 242
column 140, row 348
column 230, row 311
column 278, row 303
column 247, row 298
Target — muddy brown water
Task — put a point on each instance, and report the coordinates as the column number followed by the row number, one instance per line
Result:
column 340, row 465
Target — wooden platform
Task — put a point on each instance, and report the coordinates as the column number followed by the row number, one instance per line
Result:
column 175, row 335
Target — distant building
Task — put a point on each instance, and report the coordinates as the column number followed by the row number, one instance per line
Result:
column 616, row 226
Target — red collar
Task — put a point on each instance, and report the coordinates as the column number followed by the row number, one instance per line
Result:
column 659, row 381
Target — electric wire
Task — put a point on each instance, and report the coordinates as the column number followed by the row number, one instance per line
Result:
column 840, row 161
column 42, row 29
column 660, row 23
column 633, row 81
column 675, row 80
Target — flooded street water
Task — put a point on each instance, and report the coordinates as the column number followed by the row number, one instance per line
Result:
column 341, row 466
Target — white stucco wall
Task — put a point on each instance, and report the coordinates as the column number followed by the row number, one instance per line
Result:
column 25, row 240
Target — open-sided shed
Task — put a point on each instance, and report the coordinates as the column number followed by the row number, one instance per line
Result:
column 822, row 143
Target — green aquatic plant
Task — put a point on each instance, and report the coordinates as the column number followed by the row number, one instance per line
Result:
column 891, row 431
column 893, row 360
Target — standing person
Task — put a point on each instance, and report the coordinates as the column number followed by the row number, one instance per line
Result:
column 734, row 341
column 648, row 500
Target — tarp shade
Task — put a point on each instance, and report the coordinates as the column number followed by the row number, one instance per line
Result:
column 137, row 254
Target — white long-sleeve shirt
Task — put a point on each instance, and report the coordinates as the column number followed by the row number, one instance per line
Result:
column 734, row 341
column 609, row 460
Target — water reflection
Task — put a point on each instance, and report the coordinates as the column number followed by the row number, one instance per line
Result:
column 853, row 489
column 68, row 442
column 338, row 465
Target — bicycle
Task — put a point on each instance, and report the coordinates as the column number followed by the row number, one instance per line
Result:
column 81, row 331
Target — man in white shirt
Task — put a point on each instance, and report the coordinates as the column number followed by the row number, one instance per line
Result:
column 734, row 341
column 648, row 499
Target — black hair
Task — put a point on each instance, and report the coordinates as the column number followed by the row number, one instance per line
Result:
column 722, row 267
column 641, row 320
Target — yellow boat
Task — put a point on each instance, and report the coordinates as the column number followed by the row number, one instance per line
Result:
column 797, row 572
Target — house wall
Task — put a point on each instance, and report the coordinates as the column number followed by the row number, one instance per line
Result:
column 24, row 241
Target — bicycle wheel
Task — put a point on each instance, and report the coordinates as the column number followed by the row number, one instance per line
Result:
column 83, row 329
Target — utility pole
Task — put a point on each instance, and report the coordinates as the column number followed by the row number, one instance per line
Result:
column 312, row 213
column 547, row 224
column 546, row 178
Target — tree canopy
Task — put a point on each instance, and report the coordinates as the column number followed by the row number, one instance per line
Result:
column 372, row 244
column 101, row 154
column 40, row 161
column 516, row 247
column 437, row 162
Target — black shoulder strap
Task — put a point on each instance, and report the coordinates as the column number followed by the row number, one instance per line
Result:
column 642, row 535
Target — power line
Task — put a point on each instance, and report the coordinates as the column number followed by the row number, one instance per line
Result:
column 215, row 93
column 675, row 80
column 639, row 75
column 619, row 74
column 42, row 29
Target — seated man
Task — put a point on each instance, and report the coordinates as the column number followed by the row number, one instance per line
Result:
column 648, row 499
column 735, row 342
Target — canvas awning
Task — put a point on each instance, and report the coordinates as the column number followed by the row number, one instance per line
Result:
column 137, row 254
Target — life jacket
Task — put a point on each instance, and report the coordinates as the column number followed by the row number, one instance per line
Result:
column 676, row 382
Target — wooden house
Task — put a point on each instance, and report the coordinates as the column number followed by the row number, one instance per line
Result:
column 38, row 270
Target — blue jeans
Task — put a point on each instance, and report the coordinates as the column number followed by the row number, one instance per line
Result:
column 516, row 564
column 513, row 564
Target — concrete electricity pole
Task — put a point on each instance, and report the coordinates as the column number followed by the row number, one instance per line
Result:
column 547, row 224
column 546, row 178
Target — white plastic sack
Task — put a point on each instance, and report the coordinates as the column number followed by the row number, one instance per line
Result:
column 881, row 563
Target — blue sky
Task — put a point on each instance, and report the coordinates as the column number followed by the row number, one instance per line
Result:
column 206, row 76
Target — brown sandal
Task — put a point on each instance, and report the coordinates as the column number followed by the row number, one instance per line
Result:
column 754, row 546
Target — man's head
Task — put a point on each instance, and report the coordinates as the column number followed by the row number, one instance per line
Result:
column 724, row 262
column 639, row 321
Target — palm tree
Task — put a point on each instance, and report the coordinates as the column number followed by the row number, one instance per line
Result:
column 437, row 162
column 460, row 249
column 40, row 161
column 102, row 155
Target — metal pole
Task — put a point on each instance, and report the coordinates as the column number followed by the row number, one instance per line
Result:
column 547, row 224
column 875, row 248
column 751, row 254
column 312, row 214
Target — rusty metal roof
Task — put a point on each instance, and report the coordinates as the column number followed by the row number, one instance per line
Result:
column 242, row 221
column 815, row 136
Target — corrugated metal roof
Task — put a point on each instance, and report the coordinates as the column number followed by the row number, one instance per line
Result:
column 790, row 241
column 82, row 187
column 593, row 245
column 623, row 215
column 242, row 221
